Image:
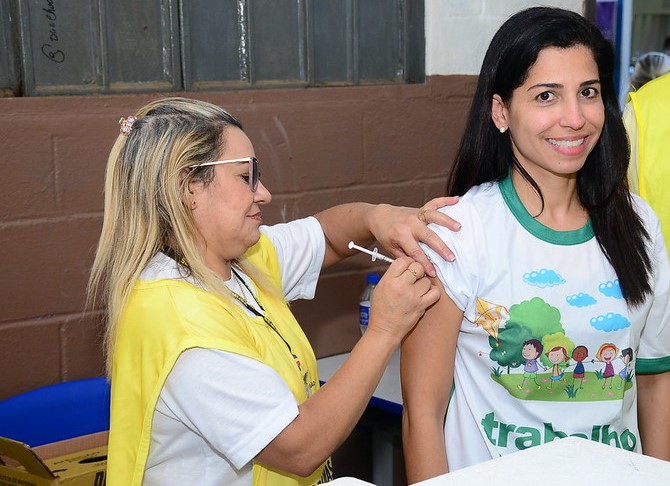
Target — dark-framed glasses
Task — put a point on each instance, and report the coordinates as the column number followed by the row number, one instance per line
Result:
column 254, row 171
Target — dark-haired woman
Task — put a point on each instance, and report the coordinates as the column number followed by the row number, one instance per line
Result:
column 553, row 248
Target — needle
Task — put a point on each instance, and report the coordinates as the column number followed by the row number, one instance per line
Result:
column 375, row 255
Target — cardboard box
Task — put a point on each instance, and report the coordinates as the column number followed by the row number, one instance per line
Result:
column 76, row 462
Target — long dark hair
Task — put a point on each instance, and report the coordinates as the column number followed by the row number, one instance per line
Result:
column 486, row 155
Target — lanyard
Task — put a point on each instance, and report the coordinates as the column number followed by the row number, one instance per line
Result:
column 262, row 314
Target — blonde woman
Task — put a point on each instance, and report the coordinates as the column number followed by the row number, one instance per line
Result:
column 213, row 380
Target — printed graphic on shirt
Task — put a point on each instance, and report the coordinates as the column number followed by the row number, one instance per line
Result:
column 522, row 437
column 534, row 357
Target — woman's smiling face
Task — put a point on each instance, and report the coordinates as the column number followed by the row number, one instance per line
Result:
column 556, row 116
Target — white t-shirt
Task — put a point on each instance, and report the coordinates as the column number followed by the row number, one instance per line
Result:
column 517, row 281
column 218, row 410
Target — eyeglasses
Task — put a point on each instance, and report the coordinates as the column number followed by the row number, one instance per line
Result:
column 254, row 171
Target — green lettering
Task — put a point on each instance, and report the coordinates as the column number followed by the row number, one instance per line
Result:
column 608, row 436
column 583, row 436
column 489, row 423
column 505, row 429
column 550, row 434
column 595, row 433
column 531, row 439
column 628, row 440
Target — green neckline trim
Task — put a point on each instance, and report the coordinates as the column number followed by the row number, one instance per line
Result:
column 537, row 229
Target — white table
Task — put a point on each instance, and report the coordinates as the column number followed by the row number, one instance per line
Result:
column 387, row 397
column 563, row 462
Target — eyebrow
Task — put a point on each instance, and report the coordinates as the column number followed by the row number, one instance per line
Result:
column 590, row 82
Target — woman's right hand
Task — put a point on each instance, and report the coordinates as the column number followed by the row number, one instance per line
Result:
column 401, row 298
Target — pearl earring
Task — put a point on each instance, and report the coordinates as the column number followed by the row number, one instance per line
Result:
column 502, row 129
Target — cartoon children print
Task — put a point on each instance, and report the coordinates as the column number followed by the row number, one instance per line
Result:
column 606, row 354
column 531, row 347
column 556, row 356
column 579, row 354
column 531, row 351
column 627, row 357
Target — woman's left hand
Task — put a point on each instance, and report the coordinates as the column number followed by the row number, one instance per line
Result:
column 400, row 229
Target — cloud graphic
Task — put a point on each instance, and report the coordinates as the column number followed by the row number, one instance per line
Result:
column 610, row 322
column 581, row 300
column 543, row 278
column 611, row 289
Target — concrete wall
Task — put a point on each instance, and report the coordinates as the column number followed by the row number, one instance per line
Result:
column 318, row 147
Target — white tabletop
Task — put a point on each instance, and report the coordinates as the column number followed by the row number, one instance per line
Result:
column 563, row 462
column 347, row 481
column 387, row 396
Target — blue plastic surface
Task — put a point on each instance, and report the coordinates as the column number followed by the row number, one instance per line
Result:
column 56, row 412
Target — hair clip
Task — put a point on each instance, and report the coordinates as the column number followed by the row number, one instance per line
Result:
column 126, row 124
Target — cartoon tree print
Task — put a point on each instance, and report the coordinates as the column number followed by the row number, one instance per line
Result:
column 541, row 318
column 506, row 350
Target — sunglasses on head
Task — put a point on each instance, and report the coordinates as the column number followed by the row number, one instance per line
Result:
column 254, row 171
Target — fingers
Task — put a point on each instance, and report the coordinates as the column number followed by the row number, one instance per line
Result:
column 428, row 214
column 440, row 202
column 429, row 293
column 406, row 268
column 416, row 270
column 404, row 228
column 399, row 266
column 437, row 217
column 402, row 296
column 417, row 254
column 413, row 273
column 436, row 243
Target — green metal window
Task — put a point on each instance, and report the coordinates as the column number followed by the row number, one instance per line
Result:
column 51, row 47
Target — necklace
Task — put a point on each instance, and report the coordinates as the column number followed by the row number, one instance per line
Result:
column 263, row 315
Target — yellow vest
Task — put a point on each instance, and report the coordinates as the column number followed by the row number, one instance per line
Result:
column 651, row 104
column 163, row 318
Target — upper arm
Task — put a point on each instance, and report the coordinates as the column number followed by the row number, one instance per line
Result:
column 427, row 369
column 300, row 246
column 427, row 358
column 653, row 417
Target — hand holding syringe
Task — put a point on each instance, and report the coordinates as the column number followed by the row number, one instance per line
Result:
column 375, row 255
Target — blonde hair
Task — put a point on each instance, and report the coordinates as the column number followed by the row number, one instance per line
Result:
column 146, row 184
column 649, row 66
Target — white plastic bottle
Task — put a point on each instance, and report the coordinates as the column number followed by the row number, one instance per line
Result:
column 364, row 303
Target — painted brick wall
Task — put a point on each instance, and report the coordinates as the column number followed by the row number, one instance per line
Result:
column 318, row 147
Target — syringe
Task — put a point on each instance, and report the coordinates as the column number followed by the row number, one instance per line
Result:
column 374, row 254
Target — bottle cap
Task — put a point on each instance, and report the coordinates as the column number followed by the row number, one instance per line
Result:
column 374, row 278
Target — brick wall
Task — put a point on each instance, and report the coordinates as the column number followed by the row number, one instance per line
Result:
column 318, row 147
